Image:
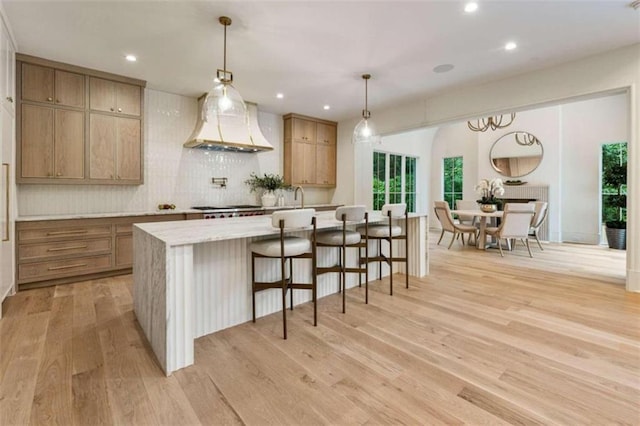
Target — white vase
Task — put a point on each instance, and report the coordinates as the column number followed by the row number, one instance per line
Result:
column 269, row 199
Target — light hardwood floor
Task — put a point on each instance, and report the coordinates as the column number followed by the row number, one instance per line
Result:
column 482, row 340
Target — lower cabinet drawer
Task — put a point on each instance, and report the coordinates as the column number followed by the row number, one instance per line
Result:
column 52, row 234
column 61, row 268
column 50, row 250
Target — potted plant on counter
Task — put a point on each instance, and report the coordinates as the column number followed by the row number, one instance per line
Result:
column 615, row 177
column 268, row 184
column 489, row 191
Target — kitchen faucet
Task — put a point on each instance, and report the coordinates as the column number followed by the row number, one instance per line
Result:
column 295, row 196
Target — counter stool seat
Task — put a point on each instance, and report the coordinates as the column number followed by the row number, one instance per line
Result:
column 334, row 238
column 381, row 231
column 285, row 250
column 293, row 246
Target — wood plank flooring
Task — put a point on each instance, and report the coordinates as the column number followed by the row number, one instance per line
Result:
column 482, row 340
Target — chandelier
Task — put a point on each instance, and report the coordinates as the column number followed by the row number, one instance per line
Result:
column 527, row 139
column 494, row 122
column 365, row 130
column 224, row 99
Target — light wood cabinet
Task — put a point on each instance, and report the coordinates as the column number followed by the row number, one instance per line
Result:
column 309, row 151
column 52, row 252
column 52, row 143
column 114, row 147
column 78, row 125
column 48, row 85
column 111, row 96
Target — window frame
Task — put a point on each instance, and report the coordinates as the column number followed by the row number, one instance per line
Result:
column 395, row 196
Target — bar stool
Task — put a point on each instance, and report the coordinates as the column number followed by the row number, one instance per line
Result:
column 286, row 249
column 390, row 232
column 343, row 239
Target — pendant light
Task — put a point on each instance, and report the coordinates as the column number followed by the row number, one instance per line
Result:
column 224, row 100
column 365, row 131
column 494, row 122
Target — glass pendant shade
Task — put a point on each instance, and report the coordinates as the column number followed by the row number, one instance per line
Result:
column 365, row 132
column 223, row 101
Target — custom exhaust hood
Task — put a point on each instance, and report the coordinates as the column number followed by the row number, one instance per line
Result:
column 228, row 134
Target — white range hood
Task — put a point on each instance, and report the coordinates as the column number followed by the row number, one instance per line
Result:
column 229, row 135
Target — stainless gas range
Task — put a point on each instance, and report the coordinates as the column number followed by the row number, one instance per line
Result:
column 211, row 212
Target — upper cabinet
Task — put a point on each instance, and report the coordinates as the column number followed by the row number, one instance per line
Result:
column 309, row 151
column 77, row 125
column 111, row 96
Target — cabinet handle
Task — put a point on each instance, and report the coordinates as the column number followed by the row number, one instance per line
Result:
column 77, row 265
column 57, row 101
column 79, row 231
column 58, row 174
column 67, row 248
column 119, row 109
column 118, row 177
column 50, row 99
column 10, row 99
column 111, row 109
column 6, row 166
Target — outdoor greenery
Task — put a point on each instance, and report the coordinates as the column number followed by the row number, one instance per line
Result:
column 267, row 182
column 394, row 184
column 614, row 185
column 452, row 180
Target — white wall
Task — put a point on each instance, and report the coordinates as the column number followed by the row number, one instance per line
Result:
column 172, row 174
column 613, row 71
column 586, row 126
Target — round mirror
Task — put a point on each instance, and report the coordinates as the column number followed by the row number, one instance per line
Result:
column 516, row 154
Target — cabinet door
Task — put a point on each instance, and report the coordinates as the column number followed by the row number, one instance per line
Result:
column 325, row 164
column 304, row 130
column 69, row 88
column 128, row 149
column 36, row 141
column 304, row 166
column 325, row 134
column 128, row 99
column 102, row 142
column 124, row 250
column 102, row 94
column 37, row 83
column 69, row 144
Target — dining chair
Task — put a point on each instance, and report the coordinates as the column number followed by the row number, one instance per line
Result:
column 467, row 205
column 443, row 213
column 285, row 249
column 540, row 215
column 514, row 225
column 342, row 239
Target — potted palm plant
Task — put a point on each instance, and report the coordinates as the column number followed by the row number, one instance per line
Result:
column 615, row 176
column 268, row 184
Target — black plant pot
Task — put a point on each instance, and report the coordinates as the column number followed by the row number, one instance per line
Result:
column 617, row 238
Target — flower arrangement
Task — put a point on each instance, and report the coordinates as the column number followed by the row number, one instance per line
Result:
column 489, row 190
column 268, row 182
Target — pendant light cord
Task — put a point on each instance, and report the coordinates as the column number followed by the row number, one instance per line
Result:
column 224, row 60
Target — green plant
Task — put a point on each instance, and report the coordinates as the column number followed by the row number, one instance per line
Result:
column 615, row 176
column 267, row 182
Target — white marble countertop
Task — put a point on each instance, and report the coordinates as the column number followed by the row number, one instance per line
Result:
column 203, row 231
column 33, row 218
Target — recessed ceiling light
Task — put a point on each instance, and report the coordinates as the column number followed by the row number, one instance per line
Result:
column 510, row 45
column 326, row 107
column 471, row 7
column 443, row 68
column 279, row 95
column 131, row 58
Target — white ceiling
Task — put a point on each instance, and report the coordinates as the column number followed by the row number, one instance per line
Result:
column 315, row 51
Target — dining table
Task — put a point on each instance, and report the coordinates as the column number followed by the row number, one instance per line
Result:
column 481, row 241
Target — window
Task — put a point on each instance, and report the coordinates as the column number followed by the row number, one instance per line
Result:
column 394, row 180
column 614, row 182
column 452, row 180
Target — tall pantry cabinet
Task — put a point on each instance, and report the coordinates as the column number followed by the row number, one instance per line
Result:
column 7, row 155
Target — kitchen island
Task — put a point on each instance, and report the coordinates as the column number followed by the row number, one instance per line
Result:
column 193, row 278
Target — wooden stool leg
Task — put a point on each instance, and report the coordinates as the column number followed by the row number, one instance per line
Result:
column 291, row 279
column 359, row 266
column 380, row 261
column 343, row 279
column 366, row 273
column 406, row 250
column 253, row 285
column 284, row 297
column 391, row 266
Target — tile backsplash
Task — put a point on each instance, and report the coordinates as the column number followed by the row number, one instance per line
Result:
column 172, row 174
